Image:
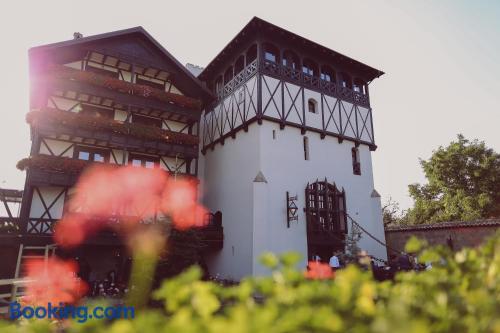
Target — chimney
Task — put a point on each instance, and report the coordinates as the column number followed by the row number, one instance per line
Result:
column 77, row 35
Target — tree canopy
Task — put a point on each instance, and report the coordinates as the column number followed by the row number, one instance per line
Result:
column 463, row 184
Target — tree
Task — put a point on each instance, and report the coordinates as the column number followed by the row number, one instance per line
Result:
column 463, row 184
column 391, row 213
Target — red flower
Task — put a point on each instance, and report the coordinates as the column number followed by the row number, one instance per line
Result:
column 53, row 281
column 131, row 194
column 319, row 271
column 179, row 201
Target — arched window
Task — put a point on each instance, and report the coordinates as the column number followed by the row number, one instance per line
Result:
column 290, row 60
column 345, row 80
column 218, row 84
column 238, row 66
column 228, row 75
column 327, row 74
column 309, row 67
column 359, row 86
column 251, row 53
column 312, row 105
column 271, row 53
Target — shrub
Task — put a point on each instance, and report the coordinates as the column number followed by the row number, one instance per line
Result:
column 461, row 293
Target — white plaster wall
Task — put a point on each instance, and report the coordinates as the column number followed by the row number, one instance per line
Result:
column 226, row 176
column 295, row 109
column 57, row 147
column 49, row 194
column 285, row 169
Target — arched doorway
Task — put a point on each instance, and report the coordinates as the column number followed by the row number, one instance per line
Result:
column 326, row 219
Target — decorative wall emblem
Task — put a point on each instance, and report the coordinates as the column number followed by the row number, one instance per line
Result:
column 292, row 209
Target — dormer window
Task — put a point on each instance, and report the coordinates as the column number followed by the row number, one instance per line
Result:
column 356, row 165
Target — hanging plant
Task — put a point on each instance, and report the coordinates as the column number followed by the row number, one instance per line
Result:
column 67, row 73
column 75, row 120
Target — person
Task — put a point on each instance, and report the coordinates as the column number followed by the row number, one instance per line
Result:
column 404, row 262
column 334, row 261
column 316, row 258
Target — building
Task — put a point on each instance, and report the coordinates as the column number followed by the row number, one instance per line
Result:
column 291, row 119
column 277, row 129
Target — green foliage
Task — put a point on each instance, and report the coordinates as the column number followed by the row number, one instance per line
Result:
column 463, row 184
column 461, row 293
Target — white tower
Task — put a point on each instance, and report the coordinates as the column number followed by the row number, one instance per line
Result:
column 291, row 126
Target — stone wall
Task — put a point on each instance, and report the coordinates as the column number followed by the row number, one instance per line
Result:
column 454, row 234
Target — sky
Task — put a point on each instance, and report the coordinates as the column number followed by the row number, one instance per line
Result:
column 441, row 59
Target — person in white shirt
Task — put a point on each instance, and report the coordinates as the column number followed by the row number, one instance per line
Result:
column 334, row 261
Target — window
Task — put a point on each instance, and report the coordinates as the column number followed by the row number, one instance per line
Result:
column 327, row 74
column 102, row 71
column 218, row 85
column 146, row 161
column 251, row 54
column 238, row 66
column 96, row 111
column 144, row 120
column 228, row 75
column 309, row 67
column 359, row 86
column 290, row 59
column 356, row 165
column 271, row 53
column 325, row 209
column 312, row 105
column 91, row 154
column 345, row 81
column 149, row 83
column 306, row 148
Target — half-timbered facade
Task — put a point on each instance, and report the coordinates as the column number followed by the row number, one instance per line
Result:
column 118, row 98
column 277, row 129
column 291, row 130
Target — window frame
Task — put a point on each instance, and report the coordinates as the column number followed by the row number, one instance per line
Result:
column 92, row 151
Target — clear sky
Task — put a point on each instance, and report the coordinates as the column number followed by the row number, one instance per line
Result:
column 441, row 58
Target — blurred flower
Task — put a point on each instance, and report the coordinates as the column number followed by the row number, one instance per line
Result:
column 53, row 281
column 179, row 202
column 105, row 194
column 319, row 271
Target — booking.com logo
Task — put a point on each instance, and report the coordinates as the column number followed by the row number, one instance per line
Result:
column 63, row 311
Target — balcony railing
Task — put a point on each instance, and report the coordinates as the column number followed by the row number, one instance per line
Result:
column 61, row 72
column 327, row 87
column 63, row 171
column 295, row 76
column 78, row 122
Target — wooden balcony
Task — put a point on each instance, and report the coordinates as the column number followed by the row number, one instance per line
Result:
column 115, row 134
column 38, row 231
column 67, row 73
column 46, row 170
